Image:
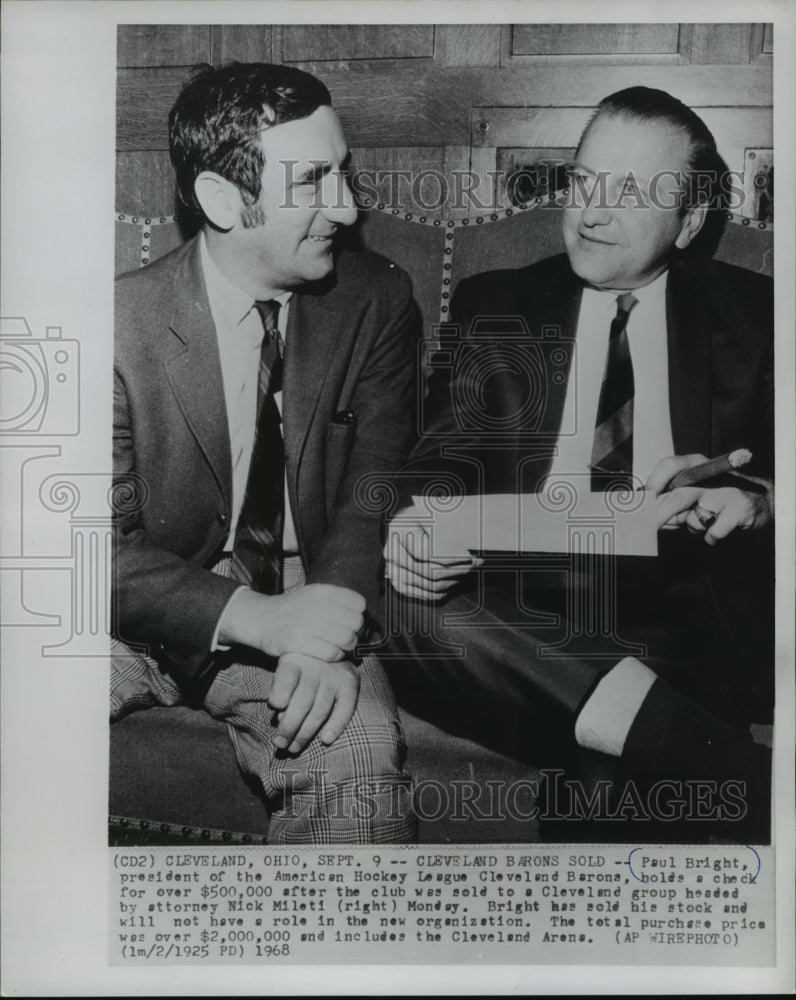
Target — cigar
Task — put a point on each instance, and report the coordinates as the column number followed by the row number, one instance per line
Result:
column 713, row 467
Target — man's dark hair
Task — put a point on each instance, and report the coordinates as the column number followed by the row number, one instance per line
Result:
column 217, row 121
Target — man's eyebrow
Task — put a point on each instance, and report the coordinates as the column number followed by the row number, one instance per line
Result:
column 318, row 169
column 637, row 177
column 622, row 178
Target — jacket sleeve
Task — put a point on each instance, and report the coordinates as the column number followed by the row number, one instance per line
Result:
column 159, row 599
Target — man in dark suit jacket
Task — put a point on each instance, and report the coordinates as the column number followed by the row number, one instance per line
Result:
column 663, row 687
column 260, row 159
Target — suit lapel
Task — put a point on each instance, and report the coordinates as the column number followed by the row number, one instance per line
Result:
column 560, row 311
column 313, row 331
column 193, row 368
column 688, row 340
column 556, row 306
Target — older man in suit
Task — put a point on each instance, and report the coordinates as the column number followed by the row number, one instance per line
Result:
column 673, row 363
column 259, row 376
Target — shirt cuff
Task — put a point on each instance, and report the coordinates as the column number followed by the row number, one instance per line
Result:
column 606, row 718
column 215, row 645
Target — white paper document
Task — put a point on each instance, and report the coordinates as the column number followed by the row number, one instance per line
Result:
column 559, row 520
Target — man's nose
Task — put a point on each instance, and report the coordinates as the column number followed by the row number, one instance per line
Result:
column 595, row 215
column 339, row 205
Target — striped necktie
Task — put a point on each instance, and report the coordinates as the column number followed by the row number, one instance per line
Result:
column 612, row 452
column 257, row 550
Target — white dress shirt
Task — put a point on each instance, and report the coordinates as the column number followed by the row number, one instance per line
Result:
column 646, row 332
column 239, row 330
column 604, row 721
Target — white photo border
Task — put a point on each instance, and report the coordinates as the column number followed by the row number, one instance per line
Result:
column 58, row 119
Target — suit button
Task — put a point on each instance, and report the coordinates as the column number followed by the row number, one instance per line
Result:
column 222, row 517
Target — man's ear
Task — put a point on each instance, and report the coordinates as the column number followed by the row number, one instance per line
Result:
column 219, row 198
column 693, row 221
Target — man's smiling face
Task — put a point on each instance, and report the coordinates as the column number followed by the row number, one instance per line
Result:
column 624, row 236
column 305, row 198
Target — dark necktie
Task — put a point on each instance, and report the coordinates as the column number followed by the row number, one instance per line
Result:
column 612, row 452
column 257, row 550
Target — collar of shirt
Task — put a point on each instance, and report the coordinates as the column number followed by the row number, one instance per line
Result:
column 651, row 296
column 648, row 297
column 228, row 303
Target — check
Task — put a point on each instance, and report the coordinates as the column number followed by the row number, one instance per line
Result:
column 558, row 521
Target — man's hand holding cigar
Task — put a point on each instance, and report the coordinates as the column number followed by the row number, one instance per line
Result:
column 711, row 496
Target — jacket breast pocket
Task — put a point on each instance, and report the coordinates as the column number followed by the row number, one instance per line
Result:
column 340, row 439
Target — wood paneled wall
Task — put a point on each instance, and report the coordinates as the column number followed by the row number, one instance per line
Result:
column 449, row 97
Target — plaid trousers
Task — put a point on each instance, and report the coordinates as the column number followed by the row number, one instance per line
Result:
column 353, row 791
